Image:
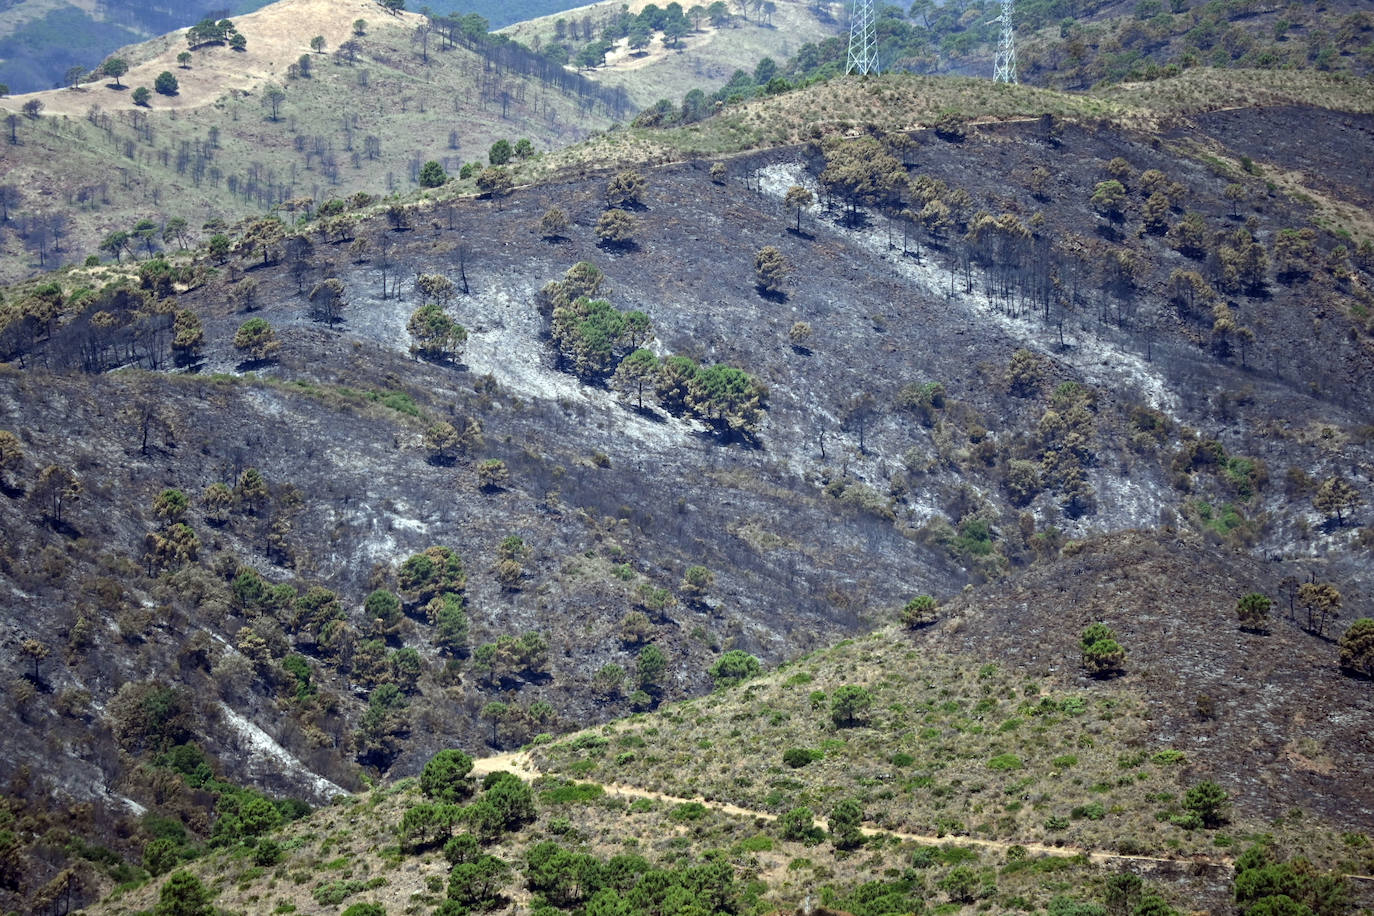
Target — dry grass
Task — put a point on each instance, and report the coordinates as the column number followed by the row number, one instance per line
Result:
column 706, row 59
column 277, row 35
column 921, row 760
column 411, row 108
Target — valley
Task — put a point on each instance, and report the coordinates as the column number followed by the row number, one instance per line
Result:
column 886, row 495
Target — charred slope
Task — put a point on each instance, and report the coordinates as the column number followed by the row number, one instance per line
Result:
column 859, row 493
column 1268, row 714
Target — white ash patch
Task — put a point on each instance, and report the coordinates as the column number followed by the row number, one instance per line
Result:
column 1100, row 362
column 271, row 757
column 134, row 807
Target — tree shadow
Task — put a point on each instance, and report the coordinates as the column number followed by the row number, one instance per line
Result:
column 252, row 365
column 63, row 527
column 772, row 295
column 13, row 491
column 801, row 233
column 618, row 247
column 38, row 681
column 648, row 413
column 858, row 219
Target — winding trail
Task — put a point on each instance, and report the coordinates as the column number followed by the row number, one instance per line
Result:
column 522, row 764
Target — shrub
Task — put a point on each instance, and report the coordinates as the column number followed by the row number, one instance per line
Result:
column 1208, row 802
column 1357, row 648
column 918, row 612
column 733, row 667
column 492, row 475
column 446, row 777
column 256, row 340
column 432, row 175
column 1005, row 762
column 1102, row 654
column 1253, row 611
column 798, row 825
column 688, row 811
column 848, row 704
column 797, row 757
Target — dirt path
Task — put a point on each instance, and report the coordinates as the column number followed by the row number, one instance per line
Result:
column 522, row 764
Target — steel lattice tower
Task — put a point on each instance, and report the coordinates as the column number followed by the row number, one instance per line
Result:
column 1004, row 65
column 863, row 51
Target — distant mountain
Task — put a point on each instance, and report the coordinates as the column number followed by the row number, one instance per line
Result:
column 39, row 42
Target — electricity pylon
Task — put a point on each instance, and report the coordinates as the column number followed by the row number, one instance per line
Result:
column 863, row 51
column 1004, row 65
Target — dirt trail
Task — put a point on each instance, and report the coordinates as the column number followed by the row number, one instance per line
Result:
column 522, row 764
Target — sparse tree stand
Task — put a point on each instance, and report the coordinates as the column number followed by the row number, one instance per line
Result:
column 166, row 83
column 770, row 271
column 317, row 44
column 184, row 60
column 1321, row 601
column 142, row 95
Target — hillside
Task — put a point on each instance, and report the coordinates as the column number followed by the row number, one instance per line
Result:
column 1091, row 43
column 41, row 39
column 1025, row 785
column 365, row 119
column 980, row 364
column 705, row 58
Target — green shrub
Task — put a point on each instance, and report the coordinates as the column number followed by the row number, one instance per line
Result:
column 573, row 793
column 688, row 811
column 1005, row 762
